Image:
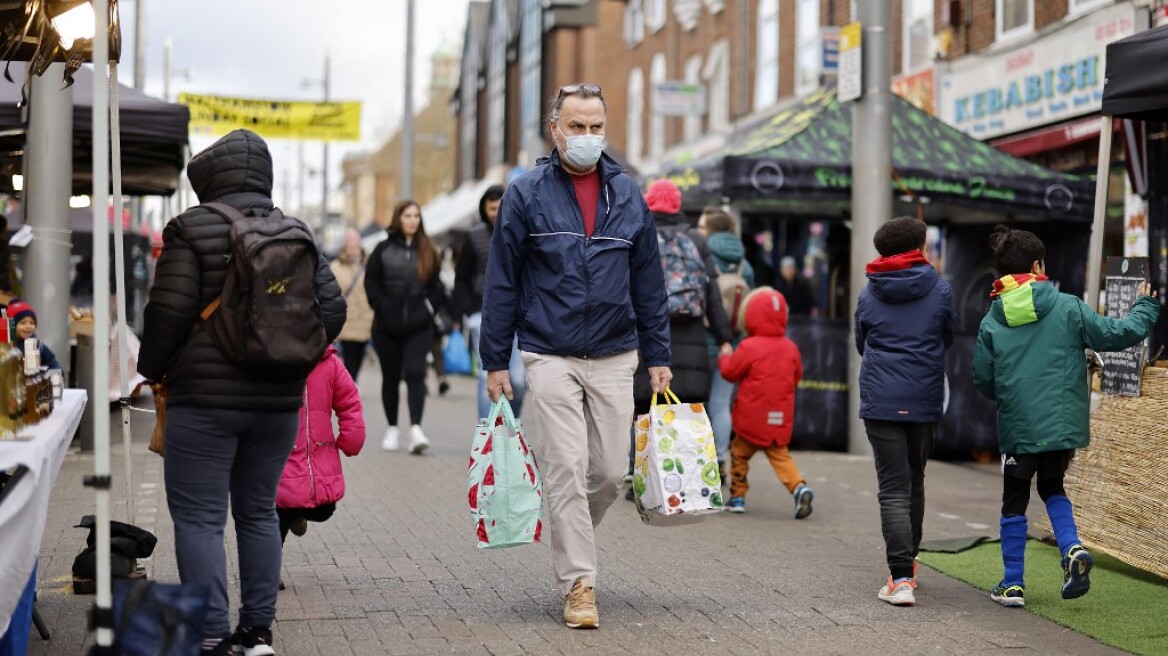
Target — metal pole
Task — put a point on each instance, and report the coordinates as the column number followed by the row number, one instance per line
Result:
column 167, row 46
column 871, row 179
column 120, row 287
column 140, row 45
column 324, row 213
column 1102, row 182
column 300, row 156
column 407, row 157
column 101, row 311
column 48, row 185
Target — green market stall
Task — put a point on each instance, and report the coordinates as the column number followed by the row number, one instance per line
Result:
column 789, row 175
column 799, row 160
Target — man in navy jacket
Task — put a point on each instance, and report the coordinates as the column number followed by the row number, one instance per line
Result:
column 575, row 271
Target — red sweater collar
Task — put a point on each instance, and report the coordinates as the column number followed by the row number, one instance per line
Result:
column 898, row 262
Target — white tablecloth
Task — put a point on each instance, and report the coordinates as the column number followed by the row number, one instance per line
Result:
column 25, row 507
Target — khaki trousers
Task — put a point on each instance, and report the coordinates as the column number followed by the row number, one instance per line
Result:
column 583, row 412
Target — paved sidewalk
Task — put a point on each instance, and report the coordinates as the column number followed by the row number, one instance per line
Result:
column 396, row 570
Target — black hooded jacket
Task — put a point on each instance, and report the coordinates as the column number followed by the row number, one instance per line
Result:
column 236, row 170
column 470, row 272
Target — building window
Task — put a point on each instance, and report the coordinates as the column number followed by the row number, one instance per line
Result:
column 808, row 57
column 634, row 23
column 655, row 15
column 918, row 34
column 1080, row 6
column 636, row 119
column 766, row 67
column 693, row 75
column 716, row 74
column 715, row 6
column 657, row 75
column 530, row 57
column 497, row 87
column 1013, row 18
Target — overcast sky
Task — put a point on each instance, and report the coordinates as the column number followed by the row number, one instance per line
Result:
column 266, row 48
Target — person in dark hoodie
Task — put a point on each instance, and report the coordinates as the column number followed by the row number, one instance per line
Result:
column 401, row 281
column 1029, row 361
column 466, row 300
column 228, row 430
column 905, row 318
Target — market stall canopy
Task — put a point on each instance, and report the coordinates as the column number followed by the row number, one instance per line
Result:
column 154, row 136
column 1136, row 86
column 799, row 160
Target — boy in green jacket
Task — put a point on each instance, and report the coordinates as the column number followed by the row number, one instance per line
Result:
column 1029, row 359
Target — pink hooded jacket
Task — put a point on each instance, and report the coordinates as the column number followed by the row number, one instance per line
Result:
column 313, row 476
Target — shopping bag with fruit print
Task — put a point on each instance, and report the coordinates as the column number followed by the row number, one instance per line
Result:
column 675, row 473
column 504, row 488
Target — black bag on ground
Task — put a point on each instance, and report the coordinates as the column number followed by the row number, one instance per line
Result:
column 268, row 318
column 156, row 619
column 128, row 543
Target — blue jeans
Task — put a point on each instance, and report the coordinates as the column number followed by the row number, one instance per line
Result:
column 211, row 454
column 721, row 393
column 518, row 377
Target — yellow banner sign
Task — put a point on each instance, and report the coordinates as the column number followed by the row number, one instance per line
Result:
column 275, row 119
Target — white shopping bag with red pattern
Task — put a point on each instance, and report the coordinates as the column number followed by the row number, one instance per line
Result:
column 504, row 488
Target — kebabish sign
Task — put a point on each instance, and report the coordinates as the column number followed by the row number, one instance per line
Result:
column 1122, row 369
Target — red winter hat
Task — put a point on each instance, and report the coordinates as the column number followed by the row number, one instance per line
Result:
column 18, row 310
column 663, row 197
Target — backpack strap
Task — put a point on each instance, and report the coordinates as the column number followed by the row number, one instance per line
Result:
column 224, row 210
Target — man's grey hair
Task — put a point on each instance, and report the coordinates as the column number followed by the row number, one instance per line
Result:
column 580, row 90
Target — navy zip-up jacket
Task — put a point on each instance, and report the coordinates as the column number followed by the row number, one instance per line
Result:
column 905, row 321
column 566, row 294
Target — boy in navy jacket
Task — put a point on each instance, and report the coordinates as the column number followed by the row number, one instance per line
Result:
column 905, row 319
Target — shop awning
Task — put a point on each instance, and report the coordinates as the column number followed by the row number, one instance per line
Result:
column 798, row 160
column 1136, row 85
column 154, row 135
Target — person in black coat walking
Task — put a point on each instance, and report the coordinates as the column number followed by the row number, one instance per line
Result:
column 229, row 430
column 401, row 281
column 691, row 360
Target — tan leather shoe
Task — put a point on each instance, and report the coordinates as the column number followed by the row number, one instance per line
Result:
column 580, row 606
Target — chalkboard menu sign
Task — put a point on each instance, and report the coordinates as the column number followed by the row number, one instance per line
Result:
column 1122, row 369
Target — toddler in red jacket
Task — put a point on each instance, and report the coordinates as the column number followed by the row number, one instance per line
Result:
column 313, row 482
column 767, row 368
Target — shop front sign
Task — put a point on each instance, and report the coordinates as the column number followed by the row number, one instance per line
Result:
column 1056, row 78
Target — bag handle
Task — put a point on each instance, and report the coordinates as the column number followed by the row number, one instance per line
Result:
column 503, row 407
column 670, row 398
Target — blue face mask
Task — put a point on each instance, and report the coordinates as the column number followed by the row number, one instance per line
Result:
column 583, row 150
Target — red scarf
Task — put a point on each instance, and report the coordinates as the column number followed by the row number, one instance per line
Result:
column 1001, row 285
column 897, row 262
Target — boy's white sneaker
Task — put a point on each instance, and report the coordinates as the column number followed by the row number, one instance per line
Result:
column 898, row 594
column 392, row 438
column 418, row 440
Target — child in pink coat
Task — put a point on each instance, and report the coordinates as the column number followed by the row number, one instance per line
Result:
column 312, row 482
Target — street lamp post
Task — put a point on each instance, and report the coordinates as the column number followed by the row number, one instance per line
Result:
column 324, row 83
column 407, row 153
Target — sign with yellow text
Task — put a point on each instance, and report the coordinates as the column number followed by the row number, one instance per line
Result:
column 275, row 119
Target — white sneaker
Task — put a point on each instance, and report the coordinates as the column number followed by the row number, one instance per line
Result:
column 418, row 440
column 898, row 594
column 392, row 437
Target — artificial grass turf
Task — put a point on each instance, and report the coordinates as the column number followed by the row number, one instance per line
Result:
column 1126, row 608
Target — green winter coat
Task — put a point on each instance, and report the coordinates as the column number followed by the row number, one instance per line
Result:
column 1029, row 359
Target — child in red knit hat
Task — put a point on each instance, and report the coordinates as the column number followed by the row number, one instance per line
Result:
column 25, row 320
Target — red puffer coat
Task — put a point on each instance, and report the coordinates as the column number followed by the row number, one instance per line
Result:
column 313, row 474
column 767, row 367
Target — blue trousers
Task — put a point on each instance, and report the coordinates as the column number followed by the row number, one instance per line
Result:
column 518, row 377
column 213, row 456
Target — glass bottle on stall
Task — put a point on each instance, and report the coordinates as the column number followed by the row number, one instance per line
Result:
column 32, row 365
column 13, row 394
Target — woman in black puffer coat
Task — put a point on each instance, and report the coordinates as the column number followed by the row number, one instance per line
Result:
column 401, row 281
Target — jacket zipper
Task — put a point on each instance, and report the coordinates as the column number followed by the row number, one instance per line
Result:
column 308, row 448
column 571, row 187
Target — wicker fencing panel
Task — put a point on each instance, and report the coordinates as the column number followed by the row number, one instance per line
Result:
column 1119, row 484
